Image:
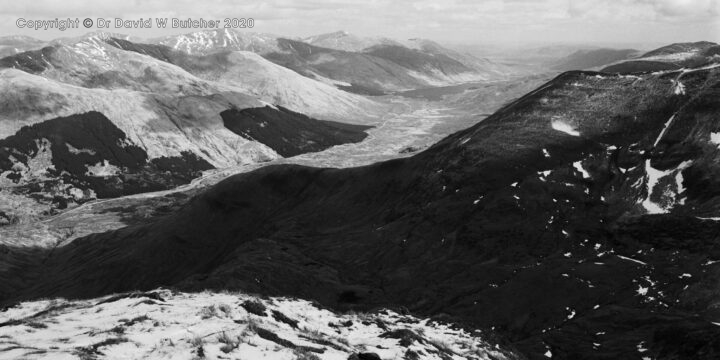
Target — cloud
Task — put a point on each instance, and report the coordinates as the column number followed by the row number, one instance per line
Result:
column 684, row 8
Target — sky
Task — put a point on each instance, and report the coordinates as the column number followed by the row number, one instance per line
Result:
column 449, row 21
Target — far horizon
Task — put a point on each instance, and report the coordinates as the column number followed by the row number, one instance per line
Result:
column 637, row 24
column 490, row 46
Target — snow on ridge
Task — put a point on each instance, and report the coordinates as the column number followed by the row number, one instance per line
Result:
column 163, row 324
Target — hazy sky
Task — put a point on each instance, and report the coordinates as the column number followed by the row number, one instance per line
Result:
column 459, row 21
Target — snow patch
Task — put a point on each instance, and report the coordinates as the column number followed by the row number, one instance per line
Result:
column 102, row 169
column 74, row 150
column 715, row 138
column 572, row 313
column 668, row 195
column 679, row 88
column 564, row 127
column 665, row 127
column 631, row 259
column 578, row 166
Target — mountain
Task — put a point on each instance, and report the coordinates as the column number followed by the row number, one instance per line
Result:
column 381, row 66
column 586, row 59
column 490, row 68
column 150, row 100
column 11, row 45
column 343, row 40
column 148, row 118
column 349, row 68
column 93, row 37
column 265, row 80
column 211, row 41
column 438, row 64
column 681, row 49
column 379, row 69
column 110, row 142
column 671, row 57
column 579, row 221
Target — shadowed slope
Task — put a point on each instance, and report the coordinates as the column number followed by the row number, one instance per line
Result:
column 290, row 133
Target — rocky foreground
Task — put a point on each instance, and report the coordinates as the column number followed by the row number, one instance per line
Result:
column 163, row 324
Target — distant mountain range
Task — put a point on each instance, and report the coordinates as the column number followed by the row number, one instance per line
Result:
column 588, row 59
column 364, row 64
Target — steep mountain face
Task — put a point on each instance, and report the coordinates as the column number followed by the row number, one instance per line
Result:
column 578, row 221
column 587, row 59
column 671, row 57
